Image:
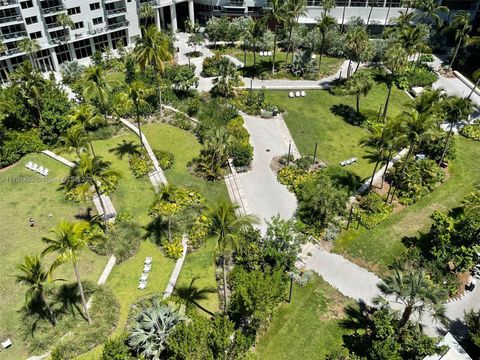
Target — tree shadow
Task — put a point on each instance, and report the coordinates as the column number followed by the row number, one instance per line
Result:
column 345, row 178
column 125, row 148
column 348, row 113
column 156, row 230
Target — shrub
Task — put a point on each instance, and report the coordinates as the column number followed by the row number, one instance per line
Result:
column 420, row 75
column 139, row 165
column 373, row 210
column 434, row 145
column 116, row 349
column 182, row 121
column 197, row 233
column 210, row 66
column 165, row 158
column 471, row 131
column 293, row 177
column 242, row 154
column 251, row 102
column 17, row 144
column 174, row 249
column 193, row 105
column 71, row 71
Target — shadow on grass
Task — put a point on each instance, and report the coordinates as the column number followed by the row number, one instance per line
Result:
column 348, row 113
column 125, row 148
column 261, row 67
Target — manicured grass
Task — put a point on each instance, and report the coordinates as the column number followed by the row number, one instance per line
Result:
column 21, row 199
column 310, row 119
column 263, row 64
column 308, row 327
column 378, row 247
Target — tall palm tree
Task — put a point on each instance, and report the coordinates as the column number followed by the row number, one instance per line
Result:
column 395, row 60
column 228, row 78
column 431, row 11
column 409, row 4
column 152, row 327
column 36, row 278
column 455, row 109
column 476, row 77
column 378, row 144
column 92, row 172
column 225, row 226
column 293, row 10
column 85, row 116
column 98, row 85
column 360, row 84
column 146, row 13
column 134, row 98
column 275, row 15
column 404, row 19
column 428, row 102
column 462, row 25
column 255, row 30
column 413, row 39
column 357, row 44
column 191, row 294
column 325, row 24
column 75, row 139
column 67, row 239
column 327, row 6
column 29, row 47
column 153, row 50
column 65, row 22
column 416, row 292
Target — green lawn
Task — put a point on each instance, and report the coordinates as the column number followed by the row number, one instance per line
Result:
column 310, row 119
column 308, row 327
column 263, row 64
column 20, row 200
column 378, row 247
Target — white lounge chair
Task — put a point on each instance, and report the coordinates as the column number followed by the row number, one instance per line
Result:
column 297, row 94
column 260, row 53
column 40, row 169
column 342, row 163
column 303, row 93
column 45, row 172
column 142, row 285
column 148, row 260
column 291, row 94
column 34, row 167
column 7, row 343
column 147, row 268
column 144, row 277
column 269, row 53
column 28, row 165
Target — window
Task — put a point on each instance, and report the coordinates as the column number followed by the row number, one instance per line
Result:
column 78, row 25
column 100, row 42
column 36, row 35
column 97, row 21
column 74, row 10
column 83, row 49
column 26, row 4
column 95, row 6
column 31, row 20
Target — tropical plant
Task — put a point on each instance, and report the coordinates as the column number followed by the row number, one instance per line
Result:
column 29, row 47
column 97, row 84
column 378, row 142
column 324, row 26
column 67, row 240
column 36, row 278
column 275, row 15
column 225, row 226
column 462, row 26
column 153, row 50
column 416, row 292
column 86, row 116
column 428, row 102
column 65, row 21
column 191, row 294
column 215, row 153
column 395, row 60
column 431, row 11
column 146, row 13
column 476, row 77
column 75, row 139
column 228, row 78
column 327, row 6
column 359, row 84
column 357, row 45
column 414, row 39
column 293, row 10
column 152, row 327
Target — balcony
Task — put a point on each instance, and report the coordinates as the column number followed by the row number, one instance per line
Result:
column 5, row 3
column 53, row 9
column 53, row 26
column 13, row 36
column 118, row 25
column 116, row 12
column 150, row 2
column 9, row 19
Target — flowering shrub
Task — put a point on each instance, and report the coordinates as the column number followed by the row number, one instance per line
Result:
column 471, row 132
column 139, row 166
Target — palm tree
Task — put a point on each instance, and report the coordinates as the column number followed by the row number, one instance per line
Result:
column 476, row 77
column 293, row 10
column 275, row 16
column 153, row 50
column 36, row 278
column 98, row 85
column 409, row 4
column 65, row 21
column 462, row 25
column 428, row 102
column 414, row 39
column 396, row 60
column 167, row 195
column 75, row 139
column 357, row 45
column 215, row 152
column 404, row 19
column 134, row 98
column 85, row 116
column 416, row 292
column 191, row 294
column 360, row 84
column 379, row 145
column 67, row 240
column 228, row 78
column 225, row 226
column 255, row 30
column 324, row 25
column 455, row 109
column 432, row 11
column 152, row 327
column 146, row 13
column 327, row 6
column 29, row 47
column 92, row 172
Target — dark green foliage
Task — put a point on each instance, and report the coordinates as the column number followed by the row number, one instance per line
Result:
column 116, row 349
column 182, row 77
column 240, row 149
column 182, row 122
column 139, row 165
column 211, row 66
column 472, row 319
column 419, row 178
column 373, row 210
column 56, row 107
column 416, row 75
column 165, row 158
column 320, row 201
column 471, row 131
column 433, row 146
column 17, row 144
column 251, row 102
column 71, row 71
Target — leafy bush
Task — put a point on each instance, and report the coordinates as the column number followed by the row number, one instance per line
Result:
column 471, row 131
column 211, row 65
column 303, row 65
column 472, row 319
column 174, row 249
column 18, row 144
column 71, row 71
column 242, row 154
column 434, row 145
column 193, row 105
column 373, row 210
column 183, row 122
column 293, row 177
column 139, row 165
column 165, row 158
column 416, row 75
column 116, row 349
column 251, row 102
column 197, row 233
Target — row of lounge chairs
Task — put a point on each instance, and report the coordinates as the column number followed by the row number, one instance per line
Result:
column 349, row 161
column 265, row 53
column 39, row 169
column 147, row 266
column 292, row 94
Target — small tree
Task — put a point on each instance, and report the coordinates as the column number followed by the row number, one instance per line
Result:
column 462, row 25
column 195, row 40
column 396, row 61
column 360, row 84
column 228, row 78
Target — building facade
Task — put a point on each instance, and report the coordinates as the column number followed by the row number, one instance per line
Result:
column 106, row 23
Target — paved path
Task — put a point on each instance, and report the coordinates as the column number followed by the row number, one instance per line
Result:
column 265, row 196
column 176, row 270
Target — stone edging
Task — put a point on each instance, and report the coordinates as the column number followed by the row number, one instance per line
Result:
column 467, row 82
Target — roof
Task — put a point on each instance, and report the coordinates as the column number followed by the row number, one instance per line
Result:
column 454, row 352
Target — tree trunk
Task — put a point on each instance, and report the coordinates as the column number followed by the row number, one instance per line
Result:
column 455, row 53
column 202, row 308
column 105, row 221
column 274, row 49
column 343, row 18
column 159, row 91
column 373, row 175
column 289, row 44
column 348, row 69
column 320, row 57
column 368, row 19
column 82, row 294
column 450, row 131
column 473, row 89
column 402, row 172
column 91, row 148
column 49, row 309
column 224, row 265
column 390, row 85
column 358, row 103
column 386, row 167
column 405, row 316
